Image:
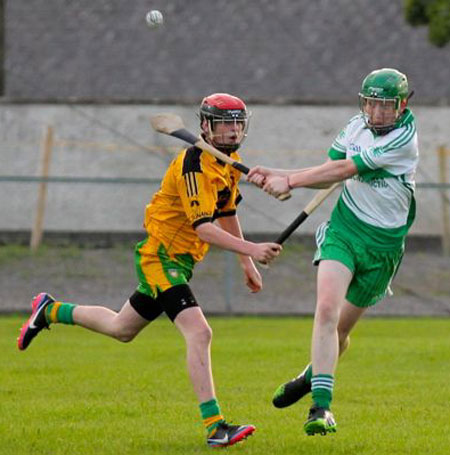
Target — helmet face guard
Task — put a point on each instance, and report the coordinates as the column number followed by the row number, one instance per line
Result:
column 380, row 114
column 224, row 121
column 383, row 98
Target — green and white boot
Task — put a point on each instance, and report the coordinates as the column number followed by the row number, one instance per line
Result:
column 320, row 421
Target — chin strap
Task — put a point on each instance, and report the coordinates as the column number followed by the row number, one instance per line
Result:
column 227, row 149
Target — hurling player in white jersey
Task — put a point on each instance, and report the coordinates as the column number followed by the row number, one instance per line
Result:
column 360, row 249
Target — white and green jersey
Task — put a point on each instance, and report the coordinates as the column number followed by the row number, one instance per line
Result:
column 377, row 204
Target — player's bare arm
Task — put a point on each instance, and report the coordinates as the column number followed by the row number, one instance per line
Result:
column 214, row 235
column 316, row 177
column 258, row 174
column 253, row 278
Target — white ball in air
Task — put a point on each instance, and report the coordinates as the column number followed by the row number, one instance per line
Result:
column 154, row 18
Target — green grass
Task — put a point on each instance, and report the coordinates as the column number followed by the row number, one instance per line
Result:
column 74, row 392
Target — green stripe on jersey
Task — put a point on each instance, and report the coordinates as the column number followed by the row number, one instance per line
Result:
column 338, row 146
column 334, row 154
column 360, row 165
column 376, row 174
column 403, row 139
column 398, row 142
column 407, row 118
column 354, row 229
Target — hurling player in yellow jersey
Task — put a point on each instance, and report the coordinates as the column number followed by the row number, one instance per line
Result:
column 196, row 190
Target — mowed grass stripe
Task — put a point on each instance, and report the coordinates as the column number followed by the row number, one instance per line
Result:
column 74, row 392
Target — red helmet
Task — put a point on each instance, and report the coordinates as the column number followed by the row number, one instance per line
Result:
column 225, row 109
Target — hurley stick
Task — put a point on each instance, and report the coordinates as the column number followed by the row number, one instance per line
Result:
column 173, row 125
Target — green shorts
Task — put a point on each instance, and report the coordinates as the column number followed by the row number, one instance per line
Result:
column 373, row 270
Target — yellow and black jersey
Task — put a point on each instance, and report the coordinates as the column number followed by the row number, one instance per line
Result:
column 197, row 188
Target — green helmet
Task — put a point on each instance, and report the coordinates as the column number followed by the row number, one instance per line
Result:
column 389, row 85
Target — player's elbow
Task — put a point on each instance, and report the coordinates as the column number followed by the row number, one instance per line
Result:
column 205, row 232
column 346, row 169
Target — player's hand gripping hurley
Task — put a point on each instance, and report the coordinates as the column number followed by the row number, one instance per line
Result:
column 310, row 207
column 173, row 125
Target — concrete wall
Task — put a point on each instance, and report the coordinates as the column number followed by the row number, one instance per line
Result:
column 116, row 141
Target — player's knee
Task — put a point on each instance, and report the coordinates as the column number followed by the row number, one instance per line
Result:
column 344, row 341
column 326, row 312
column 124, row 334
column 125, row 337
column 201, row 335
column 342, row 335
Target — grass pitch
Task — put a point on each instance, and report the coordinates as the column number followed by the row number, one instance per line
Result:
column 75, row 392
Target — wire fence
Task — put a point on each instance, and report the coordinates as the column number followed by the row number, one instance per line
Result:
column 440, row 188
column 165, row 154
column 289, row 285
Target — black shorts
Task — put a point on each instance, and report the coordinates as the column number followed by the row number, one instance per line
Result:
column 172, row 302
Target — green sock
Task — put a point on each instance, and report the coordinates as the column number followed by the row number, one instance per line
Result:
column 211, row 415
column 308, row 373
column 59, row 312
column 322, row 390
